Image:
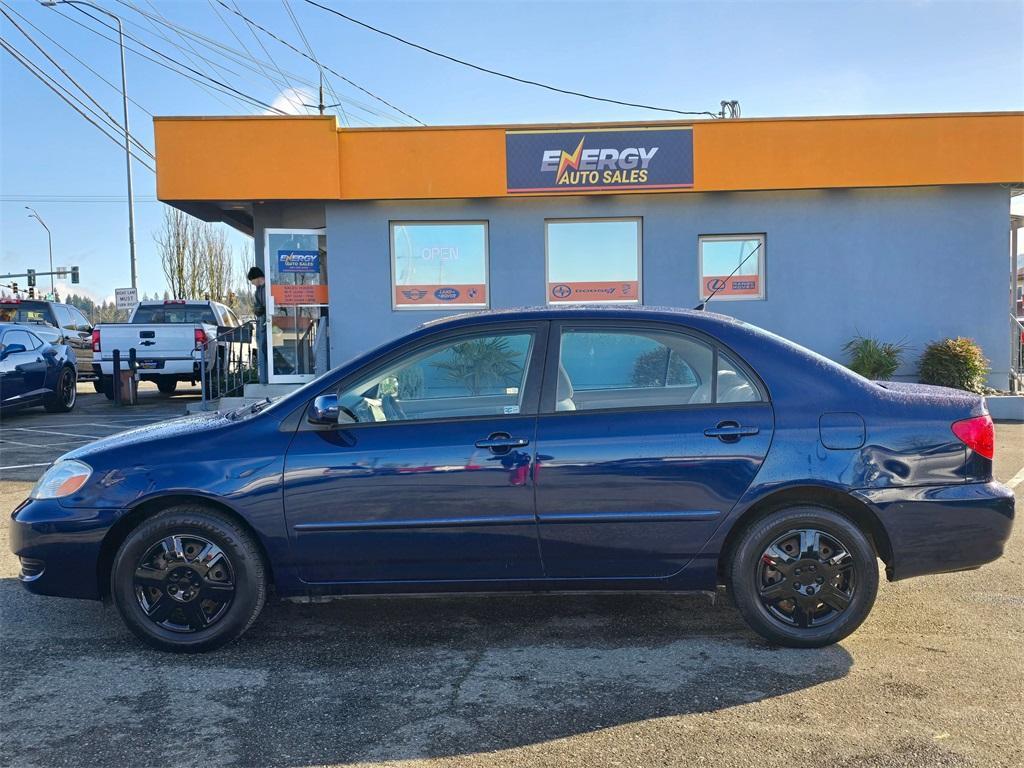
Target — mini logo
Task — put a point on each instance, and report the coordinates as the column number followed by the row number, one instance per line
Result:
column 561, row 291
column 446, row 294
column 414, row 294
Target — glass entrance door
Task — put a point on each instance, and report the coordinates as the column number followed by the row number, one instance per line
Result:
column 296, row 338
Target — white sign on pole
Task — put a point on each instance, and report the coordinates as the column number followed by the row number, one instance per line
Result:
column 126, row 298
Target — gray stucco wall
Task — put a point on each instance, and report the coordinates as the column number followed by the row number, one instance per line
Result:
column 900, row 264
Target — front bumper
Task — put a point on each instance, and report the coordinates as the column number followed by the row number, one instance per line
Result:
column 943, row 528
column 59, row 547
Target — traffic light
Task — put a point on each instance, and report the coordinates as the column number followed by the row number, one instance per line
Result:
column 31, row 291
column 74, row 274
column 31, row 275
column 14, row 288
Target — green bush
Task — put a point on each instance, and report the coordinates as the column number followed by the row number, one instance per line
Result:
column 957, row 363
column 874, row 359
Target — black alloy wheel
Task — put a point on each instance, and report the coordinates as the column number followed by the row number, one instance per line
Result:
column 804, row 576
column 66, row 393
column 184, row 583
column 189, row 579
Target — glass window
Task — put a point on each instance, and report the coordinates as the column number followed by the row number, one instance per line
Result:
column 731, row 266
column 27, row 340
column 593, row 260
column 457, row 378
column 64, row 319
column 631, row 369
column 190, row 314
column 24, row 312
column 439, row 264
column 734, row 386
column 81, row 321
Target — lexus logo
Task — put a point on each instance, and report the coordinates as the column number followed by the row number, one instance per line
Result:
column 715, row 284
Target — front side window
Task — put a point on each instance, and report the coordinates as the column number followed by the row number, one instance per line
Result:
column 600, row 369
column 458, row 378
column 731, row 266
column 435, row 265
column 64, row 319
column 593, row 261
column 27, row 340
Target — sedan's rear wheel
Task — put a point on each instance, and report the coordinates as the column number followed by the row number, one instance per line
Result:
column 804, row 576
column 66, row 392
column 189, row 579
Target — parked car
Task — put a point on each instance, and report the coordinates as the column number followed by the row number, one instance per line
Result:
column 549, row 449
column 34, row 371
column 167, row 337
column 57, row 323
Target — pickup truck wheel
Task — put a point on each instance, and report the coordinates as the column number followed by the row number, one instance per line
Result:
column 188, row 580
column 804, row 576
column 107, row 387
column 166, row 385
column 66, row 393
column 97, row 384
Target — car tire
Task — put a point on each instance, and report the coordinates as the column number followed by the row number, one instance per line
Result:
column 803, row 576
column 166, row 385
column 66, row 394
column 107, row 387
column 97, row 384
column 188, row 580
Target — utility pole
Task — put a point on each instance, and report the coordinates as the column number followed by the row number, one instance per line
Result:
column 49, row 240
column 127, row 135
column 320, row 105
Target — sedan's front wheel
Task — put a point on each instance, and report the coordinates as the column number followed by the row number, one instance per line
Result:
column 804, row 576
column 189, row 579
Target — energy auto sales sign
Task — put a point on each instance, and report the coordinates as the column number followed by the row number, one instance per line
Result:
column 598, row 160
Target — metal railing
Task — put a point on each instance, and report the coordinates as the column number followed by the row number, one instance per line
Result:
column 227, row 362
column 1016, row 355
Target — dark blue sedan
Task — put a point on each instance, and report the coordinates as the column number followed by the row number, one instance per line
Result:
column 35, row 369
column 547, row 449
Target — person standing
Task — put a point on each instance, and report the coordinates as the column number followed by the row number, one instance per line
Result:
column 258, row 280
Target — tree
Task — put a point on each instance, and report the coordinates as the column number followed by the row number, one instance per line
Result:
column 196, row 258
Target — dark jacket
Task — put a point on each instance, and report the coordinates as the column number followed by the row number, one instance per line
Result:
column 259, row 301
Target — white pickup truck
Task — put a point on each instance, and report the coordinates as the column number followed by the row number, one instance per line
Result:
column 167, row 337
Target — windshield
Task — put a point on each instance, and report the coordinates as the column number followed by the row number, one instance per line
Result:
column 190, row 314
column 25, row 312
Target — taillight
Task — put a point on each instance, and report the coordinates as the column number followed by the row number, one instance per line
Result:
column 978, row 434
column 200, row 338
column 95, row 339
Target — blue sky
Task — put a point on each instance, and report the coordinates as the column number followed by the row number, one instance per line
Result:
column 777, row 58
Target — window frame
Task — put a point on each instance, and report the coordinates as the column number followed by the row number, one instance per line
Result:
column 762, row 237
column 531, row 392
column 396, row 307
column 554, row 346
column 639, row 220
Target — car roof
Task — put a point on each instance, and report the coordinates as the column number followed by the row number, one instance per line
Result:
column 577, row 312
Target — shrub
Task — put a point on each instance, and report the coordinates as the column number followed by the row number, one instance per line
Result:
column 957, row 363
column 874, row 359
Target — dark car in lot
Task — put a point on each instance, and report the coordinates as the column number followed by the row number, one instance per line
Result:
column 532, row 450
column 35, row 372
column 56, row 323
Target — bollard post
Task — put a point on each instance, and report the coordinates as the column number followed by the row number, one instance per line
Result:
column 202, row 375
column 117, row 377
column 133, row 367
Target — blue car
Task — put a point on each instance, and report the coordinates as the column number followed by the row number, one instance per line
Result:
column 532, row 450
column 35, row 369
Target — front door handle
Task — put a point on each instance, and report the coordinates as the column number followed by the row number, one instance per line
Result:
column 501, row 442
column 730, row 431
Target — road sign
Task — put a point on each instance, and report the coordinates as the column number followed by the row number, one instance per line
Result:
column 126, row 298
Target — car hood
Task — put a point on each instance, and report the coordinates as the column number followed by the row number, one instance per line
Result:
column 183, row 427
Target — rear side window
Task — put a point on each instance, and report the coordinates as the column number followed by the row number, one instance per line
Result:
column 734, row 386
column 190, row 314
column 601, row 369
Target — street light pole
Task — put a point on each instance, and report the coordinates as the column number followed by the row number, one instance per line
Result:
column 127, row 135
column 49, row 239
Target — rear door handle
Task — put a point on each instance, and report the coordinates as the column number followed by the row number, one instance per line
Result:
column 501, row 442
column 730, row 431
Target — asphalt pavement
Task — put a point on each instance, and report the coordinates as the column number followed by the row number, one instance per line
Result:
column 935, row 676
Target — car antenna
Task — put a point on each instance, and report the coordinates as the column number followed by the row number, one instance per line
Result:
column 700, row 307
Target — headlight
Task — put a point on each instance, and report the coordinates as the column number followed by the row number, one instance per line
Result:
column 62, row 479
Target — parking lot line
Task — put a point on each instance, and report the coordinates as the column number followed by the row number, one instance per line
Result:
column 76, row 441
column 1016, row 480
column 26, row 466
column 52, row 432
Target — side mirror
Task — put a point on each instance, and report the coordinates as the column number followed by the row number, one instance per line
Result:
column 12, row 349
column 326, row 410
column 50, row 352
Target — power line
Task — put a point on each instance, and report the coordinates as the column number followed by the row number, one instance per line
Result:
column 332, row 71
column 109, row 117
column 309, row 48
column 291, row 90
column 85, row 64
column 495, row 72
column 221, row 86
column 27, row 64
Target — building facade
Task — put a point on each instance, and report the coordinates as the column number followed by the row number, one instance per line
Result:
column 820, row 230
